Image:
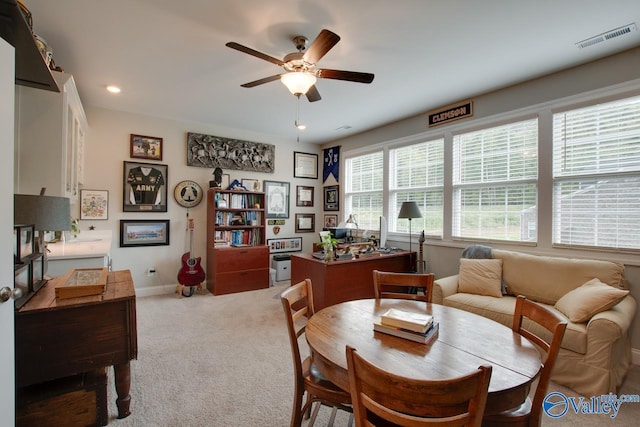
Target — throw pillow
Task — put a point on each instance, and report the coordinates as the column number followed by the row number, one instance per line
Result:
column 593, row 297
column 480, row 277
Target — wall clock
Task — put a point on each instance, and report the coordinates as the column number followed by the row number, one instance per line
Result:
column 188, row 193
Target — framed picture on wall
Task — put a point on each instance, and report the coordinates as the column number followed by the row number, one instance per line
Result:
column 277, row 195
column 94, row 204
column 305, row 165
column 144, row 187
column 144, row 232
column 304, row 196
column 332, row 198
column 330, row 220
column 305, row 223
column 146, row 147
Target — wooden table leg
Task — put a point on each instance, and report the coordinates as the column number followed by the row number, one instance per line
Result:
column 122, row 373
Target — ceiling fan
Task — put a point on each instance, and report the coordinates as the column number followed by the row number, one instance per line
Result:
column 300, row 67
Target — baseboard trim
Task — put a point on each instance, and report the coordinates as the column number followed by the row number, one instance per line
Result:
column 155, row 290
column 635, row 356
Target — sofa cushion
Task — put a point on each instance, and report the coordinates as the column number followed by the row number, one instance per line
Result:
column 498, row 309
column 501, row 310
column 547, row 279
column 593, row 297
column 480, row 277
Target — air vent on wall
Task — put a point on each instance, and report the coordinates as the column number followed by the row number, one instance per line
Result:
column 627, row 29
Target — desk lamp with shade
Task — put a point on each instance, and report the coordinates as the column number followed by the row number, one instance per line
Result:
column 351, row 224
column 409, row 210
column 46, row 213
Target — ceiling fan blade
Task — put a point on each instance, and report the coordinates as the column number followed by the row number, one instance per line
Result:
column 352, row 76
column 313, row 95
column 262, row 81
column 253, row 52
column 320, row 46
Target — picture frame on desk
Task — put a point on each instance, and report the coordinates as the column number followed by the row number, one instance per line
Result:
column 22, row 281
column 23, row 242
column 144, row 232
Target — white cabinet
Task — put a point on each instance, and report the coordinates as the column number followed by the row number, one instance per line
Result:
column 91, row 249
column 49, row 139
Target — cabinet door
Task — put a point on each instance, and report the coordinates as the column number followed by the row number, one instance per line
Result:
column 242, row 259
column 70, row 183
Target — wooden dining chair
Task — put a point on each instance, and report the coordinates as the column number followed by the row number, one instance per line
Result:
column 530, row 412
column 384, row 397
column 399, row 285
column 297, row 302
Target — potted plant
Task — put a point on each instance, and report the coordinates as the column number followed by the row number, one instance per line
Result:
column 328, row 244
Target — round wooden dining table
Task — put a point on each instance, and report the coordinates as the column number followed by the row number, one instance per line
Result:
column 464, row 342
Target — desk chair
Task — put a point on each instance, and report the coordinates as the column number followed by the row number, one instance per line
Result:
column 307, row 378
column 380, row 395
column 398, row 285
column 530, row 412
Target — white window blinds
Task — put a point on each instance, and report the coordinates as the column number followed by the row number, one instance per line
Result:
column 417, row 174
column 495, row 173
column 364, row 185
column 596, row 170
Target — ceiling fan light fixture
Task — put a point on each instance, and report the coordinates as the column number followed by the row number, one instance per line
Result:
column 298, row 82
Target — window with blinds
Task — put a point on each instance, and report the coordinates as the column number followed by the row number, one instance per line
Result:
column 596, row 175
column 495, row 173
column 417, row 175
column 364, row 187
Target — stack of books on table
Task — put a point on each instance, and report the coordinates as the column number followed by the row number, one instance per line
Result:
column 418, row 327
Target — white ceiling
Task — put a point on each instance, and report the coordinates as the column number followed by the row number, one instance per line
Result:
column 171, row 61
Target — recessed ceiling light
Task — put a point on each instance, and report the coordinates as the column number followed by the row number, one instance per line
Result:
column 113, row 89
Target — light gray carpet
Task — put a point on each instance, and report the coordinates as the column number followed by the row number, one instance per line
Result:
column 225, row 361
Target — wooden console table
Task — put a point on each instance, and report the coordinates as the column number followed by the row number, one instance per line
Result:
column 57, row 338
column 345, row 280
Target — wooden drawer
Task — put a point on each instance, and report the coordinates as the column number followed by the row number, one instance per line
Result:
column 239, row 281
column 240, row 259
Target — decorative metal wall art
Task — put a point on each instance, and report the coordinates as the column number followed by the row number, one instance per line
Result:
column 208, row 151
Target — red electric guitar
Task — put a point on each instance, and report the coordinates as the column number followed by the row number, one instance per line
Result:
column 191, row 273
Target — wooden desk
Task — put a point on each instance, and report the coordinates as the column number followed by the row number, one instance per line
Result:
column 57, row 338
column 339, row 281
column 465, row 341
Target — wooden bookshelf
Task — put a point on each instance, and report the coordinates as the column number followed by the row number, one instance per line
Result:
column 237, row 256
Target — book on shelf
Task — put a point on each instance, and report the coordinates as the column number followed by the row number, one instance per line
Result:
column 423, row 338
column 417, row 322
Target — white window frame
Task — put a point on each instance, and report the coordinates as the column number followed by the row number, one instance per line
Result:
column 599, row 154
column 516, row 170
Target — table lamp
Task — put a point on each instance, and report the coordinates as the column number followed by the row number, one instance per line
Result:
column 409, row 210
column 351, row 224
column 46, row 213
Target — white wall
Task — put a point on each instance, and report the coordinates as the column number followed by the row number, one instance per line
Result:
column 107, row 146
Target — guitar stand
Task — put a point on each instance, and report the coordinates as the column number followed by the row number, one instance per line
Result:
column 191, row 289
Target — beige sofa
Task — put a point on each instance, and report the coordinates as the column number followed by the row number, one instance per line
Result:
column 595, row 353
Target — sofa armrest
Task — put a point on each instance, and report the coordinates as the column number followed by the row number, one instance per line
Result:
column 444, row 287
column 620, row 314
